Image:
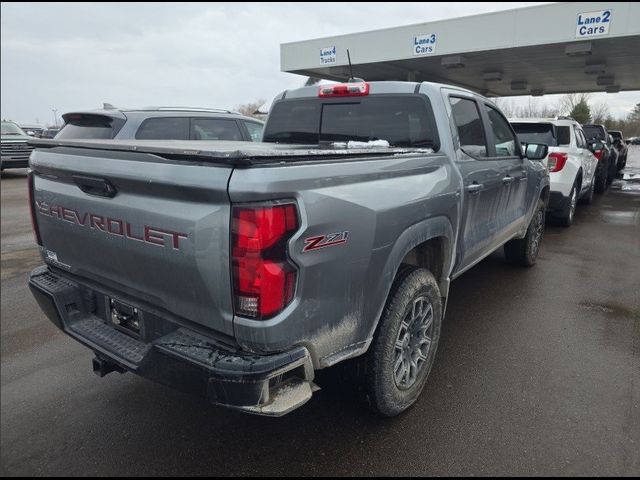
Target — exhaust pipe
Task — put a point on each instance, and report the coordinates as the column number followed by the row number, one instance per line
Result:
column 104, row 367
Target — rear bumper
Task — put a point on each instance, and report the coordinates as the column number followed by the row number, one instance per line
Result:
column 557, row 202
column 271, row 385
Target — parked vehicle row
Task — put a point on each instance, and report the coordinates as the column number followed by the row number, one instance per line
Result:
column 573, row 169
column 583, row 160
column 236, row 270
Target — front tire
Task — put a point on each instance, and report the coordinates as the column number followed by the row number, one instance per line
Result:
column 523, row 252
column 393, row 373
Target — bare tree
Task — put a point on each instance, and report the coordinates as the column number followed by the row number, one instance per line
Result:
column 507, row 106
column 250, row 109
column 600, row 112
column 537, row 109
column 569, row 102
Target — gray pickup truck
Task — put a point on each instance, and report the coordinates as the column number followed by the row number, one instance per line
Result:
column 235, row 270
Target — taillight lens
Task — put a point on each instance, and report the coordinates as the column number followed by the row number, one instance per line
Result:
column 556, row 161
column 263, row 276
column 344, row 90
column 32, row 208
column 598, row 154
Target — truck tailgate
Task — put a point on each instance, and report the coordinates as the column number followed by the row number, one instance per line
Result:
column 148, row 229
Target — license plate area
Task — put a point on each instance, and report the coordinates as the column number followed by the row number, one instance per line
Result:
column 125, row 318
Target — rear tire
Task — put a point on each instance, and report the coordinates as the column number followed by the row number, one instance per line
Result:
column 601, row 178
column 568, row 213
column 523, row 252
column 613, row 170
column 393, row 373
column 587, row 198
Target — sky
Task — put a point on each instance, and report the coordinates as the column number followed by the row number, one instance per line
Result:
column 76, row 56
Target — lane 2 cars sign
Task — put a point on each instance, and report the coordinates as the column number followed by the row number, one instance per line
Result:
column 593, row 24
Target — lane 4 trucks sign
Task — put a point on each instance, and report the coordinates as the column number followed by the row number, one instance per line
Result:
column 593, row 24
column 328, row 55
column 424, row 44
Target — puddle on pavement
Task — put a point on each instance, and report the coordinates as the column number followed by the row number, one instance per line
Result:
column 620, row 217
column 614, row 309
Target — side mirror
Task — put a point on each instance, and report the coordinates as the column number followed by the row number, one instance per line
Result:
column 536, row 151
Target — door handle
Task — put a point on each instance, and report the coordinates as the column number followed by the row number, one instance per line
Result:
column 474, row 188
column 100, row 187
column 507, row 180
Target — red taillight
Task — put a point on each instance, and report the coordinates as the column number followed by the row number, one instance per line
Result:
column 557, row 161
column 264, row 278
column 598, row 154
column 32, row 208
column 344, row 90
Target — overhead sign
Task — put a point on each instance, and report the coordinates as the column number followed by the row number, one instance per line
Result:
column 424, row 44
column 593, row 24
column 328, row 55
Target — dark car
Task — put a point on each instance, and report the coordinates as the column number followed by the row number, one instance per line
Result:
column 160, row 123
column 609, row 156
column 621, row 145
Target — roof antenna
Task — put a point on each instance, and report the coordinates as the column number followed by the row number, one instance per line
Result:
column 352, row 79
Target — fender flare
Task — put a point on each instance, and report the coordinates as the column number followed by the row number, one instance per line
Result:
column 409, row 239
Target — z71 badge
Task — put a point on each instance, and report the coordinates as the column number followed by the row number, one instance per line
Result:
column 321, row 241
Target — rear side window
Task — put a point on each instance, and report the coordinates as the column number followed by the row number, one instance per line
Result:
column 469, row 125
column 505, row 141
column 164, row 128
column 100, row 127
column 402, row 120
column 215, row 129
column 580, row 141
column 583, row 138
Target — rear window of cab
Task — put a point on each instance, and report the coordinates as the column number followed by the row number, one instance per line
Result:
column 401, row 120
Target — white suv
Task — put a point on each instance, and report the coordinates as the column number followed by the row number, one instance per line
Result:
column 572, row 166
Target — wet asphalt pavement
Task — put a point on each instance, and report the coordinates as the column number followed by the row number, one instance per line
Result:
column 537, row 373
